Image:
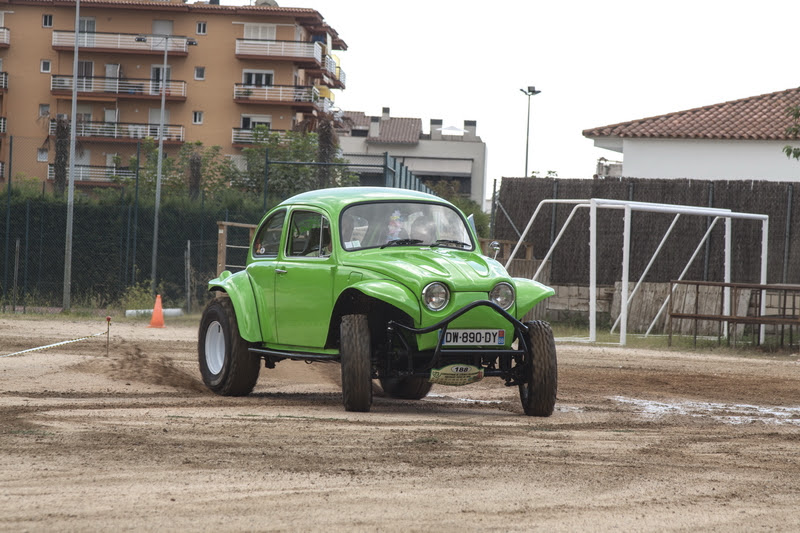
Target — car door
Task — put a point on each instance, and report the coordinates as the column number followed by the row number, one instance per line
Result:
column 304, row 281
column 265, row 252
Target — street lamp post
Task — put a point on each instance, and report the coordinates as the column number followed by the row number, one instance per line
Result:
column 531, row 91
column 190, row 42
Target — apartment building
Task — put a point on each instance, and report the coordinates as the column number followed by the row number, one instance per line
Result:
column 228, row 69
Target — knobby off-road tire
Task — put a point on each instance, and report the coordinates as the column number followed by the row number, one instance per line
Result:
column 225, row 363
column 538, row 393
column 407, row 388
column 356, row 354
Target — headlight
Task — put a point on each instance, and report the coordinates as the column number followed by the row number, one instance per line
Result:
column 503, row 295
column 435, row 295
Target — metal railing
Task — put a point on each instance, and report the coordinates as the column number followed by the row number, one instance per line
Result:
column 272, row 48
column 95, row 173
column 2, row 124
column 130, row 86
column 276, row 93
column 120, row 41
column 5, row 36
column 3, row 80
column 124, row 130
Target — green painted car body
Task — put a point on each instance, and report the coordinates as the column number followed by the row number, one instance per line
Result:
column 291, row 297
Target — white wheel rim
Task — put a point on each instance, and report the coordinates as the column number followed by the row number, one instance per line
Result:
column 215, row 347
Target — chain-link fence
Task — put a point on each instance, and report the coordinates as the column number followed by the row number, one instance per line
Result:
column 113, row 219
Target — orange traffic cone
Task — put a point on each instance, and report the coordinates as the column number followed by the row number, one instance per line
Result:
column 158, row 314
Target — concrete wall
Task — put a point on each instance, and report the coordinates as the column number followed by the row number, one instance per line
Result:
column 708, row 159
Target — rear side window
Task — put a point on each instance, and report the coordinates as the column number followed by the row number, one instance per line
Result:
column 268, row 240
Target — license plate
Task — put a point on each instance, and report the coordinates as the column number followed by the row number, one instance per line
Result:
column 475, row 337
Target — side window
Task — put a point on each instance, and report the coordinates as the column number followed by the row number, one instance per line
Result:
column 268, row 240
column 309, row 235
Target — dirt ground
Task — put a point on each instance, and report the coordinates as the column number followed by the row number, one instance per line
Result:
column 640, row 441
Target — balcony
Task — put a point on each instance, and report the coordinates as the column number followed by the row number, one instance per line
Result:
column 120, row 42
column 304, row 53
column 2, row 169
column 2, row 125
column 300, row 96
column 144, row 88
column 5, row 37
column 95, row 173
column 3, row 80
column 244, row 137
column 330, row 72
column 123, row 131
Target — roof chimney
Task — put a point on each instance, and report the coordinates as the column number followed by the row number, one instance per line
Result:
column 470, row 127
column 385, row 115
column 374, row 126
column 436, row 129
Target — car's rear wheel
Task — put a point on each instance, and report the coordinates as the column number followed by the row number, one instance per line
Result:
column 540, row 368
column 407, row 388
column 226, row 365
column 356, row 357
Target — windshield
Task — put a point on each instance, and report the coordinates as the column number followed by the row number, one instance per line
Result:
column 382, row 224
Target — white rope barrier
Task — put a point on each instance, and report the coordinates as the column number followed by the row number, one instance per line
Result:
column 106, row 333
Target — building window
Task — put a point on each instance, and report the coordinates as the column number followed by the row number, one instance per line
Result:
column 47, row 21
column 199, row 73
column 44, row 66
column 197, row 117
column 201, row 28
column 44, row 110
column 41, row 155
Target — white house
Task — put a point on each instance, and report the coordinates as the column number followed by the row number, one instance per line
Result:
column 737, row 140
column 448, row 153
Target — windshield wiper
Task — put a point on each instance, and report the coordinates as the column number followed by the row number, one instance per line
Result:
column 440, row 242
column 402, row 242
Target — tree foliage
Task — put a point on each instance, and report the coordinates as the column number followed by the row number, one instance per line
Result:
column 793, row 131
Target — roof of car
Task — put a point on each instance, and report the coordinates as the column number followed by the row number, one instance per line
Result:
column 339, row 197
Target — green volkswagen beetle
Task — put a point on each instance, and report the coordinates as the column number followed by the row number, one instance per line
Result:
column 389, row 283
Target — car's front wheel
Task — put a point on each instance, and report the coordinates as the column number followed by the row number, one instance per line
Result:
column 540, row 370
column 356, row 358
column 407, row 388
column 227, row 367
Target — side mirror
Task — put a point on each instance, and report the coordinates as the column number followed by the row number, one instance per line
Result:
column 494, row 245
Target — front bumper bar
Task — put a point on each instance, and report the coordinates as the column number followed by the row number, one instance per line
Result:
column 439, row 353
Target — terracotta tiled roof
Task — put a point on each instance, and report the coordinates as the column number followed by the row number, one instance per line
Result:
column 760, row 117
column 393, row 130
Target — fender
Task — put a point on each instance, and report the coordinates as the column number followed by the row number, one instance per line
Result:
column 392, row 293
column 238, row 288
column 529, row 293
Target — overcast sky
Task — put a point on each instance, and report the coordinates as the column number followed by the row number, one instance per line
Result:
column 596, row 63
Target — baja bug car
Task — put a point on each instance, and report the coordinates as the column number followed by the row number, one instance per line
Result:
column 389, row 283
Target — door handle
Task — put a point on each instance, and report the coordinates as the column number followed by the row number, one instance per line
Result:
column 280, row 271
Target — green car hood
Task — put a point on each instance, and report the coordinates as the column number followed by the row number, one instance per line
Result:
column 415, row 267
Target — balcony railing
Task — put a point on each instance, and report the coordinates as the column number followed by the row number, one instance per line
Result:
column 293, row 94
column 2, row 124
column 120, row 86
column 120, row 41
column 5, row 36
column 2, row 169
column 95, row 173
column 124, row 130
column 3, row 80
column 247, row 136
column 287, row 49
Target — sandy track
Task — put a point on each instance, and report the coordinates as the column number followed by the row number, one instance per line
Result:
column 639, row 441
